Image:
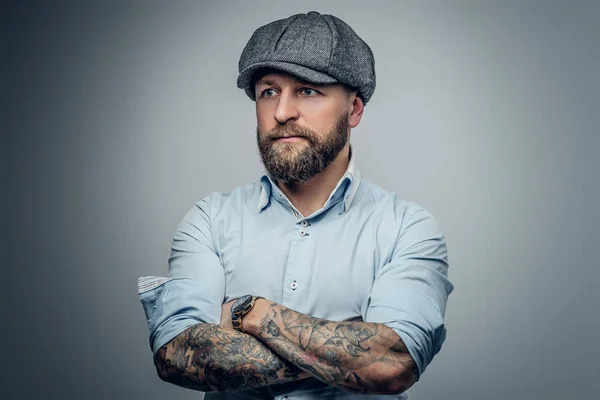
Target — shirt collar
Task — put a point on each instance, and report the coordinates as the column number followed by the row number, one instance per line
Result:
column 347, row 186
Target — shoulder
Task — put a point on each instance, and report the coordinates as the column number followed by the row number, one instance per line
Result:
column 389, row 203
column 407, row 220
column 417, row 232
column 217, row 202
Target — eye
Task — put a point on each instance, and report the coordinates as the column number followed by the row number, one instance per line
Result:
column 308, row 92
column 268, row 93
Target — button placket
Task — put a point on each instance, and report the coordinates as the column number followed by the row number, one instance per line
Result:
column 294, row 276
column 304, row 231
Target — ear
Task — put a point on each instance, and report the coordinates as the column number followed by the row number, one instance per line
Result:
column 356, row 110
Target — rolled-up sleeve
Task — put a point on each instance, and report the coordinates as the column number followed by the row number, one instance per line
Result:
column 410, row 292
column 194, row 290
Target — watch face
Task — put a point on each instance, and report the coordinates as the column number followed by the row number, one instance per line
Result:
column 241, row 303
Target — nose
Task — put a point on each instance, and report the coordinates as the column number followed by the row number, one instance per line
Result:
column 286, row 108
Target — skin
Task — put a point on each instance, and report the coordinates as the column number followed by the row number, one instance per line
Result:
column 353, row 355
column 281, row 345
column 209, row 357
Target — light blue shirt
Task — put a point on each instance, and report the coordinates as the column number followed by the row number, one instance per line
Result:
column 367, row 253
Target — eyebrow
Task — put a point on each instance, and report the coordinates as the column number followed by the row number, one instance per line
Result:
column 267, row 82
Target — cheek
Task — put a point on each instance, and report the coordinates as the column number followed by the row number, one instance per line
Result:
column 321, row 119
column 264, row 118
column 323, row 109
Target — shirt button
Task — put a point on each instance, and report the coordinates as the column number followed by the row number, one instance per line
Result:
column 294, row 285
column 303, row 233
column 304, row 223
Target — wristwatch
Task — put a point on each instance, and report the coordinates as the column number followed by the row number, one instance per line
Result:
column 240, row 308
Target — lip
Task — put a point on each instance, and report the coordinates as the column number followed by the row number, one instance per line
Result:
column 289, row 138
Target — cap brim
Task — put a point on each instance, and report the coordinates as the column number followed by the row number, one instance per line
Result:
column 244, row 80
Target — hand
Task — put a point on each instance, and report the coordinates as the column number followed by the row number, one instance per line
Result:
column 226, row 314
column 252, row 320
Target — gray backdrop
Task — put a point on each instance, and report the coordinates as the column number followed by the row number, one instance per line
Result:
column 117, row 117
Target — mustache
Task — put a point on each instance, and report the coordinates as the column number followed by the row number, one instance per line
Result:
column 288, row 130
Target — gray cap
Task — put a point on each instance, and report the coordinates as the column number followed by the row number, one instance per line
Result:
column 317, row 48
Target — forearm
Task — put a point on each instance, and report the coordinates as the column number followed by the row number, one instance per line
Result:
column 356, row 356
column 208, row 357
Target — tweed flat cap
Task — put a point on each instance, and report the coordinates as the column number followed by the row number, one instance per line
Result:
column 314, row 47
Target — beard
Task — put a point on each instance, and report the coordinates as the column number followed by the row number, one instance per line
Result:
column 300, row 160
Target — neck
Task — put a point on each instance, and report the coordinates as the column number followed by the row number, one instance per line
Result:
column 311, row 195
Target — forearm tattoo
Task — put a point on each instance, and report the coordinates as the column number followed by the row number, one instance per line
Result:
column 356, row 356
column 208, row 357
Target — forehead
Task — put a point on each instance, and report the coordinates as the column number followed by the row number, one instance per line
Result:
column 280, row 77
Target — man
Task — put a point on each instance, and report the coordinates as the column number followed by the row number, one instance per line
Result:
column 311, row 282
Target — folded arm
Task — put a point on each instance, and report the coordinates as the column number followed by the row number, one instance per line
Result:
column 190, row 347
column 209, row 357
column 356, row 356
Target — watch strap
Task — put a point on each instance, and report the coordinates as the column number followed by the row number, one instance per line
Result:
column 236, row 318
